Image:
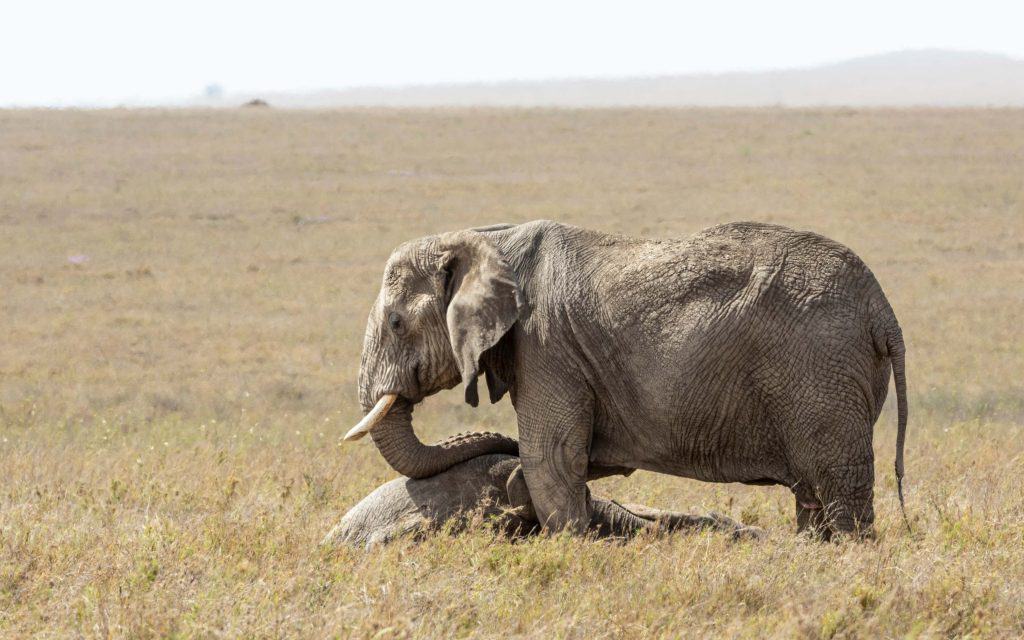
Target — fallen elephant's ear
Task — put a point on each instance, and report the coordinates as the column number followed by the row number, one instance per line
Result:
column 484, row 300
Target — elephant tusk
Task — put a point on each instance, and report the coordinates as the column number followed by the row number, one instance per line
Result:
column 371, row 419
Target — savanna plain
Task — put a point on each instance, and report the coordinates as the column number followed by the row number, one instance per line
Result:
column 183, row 296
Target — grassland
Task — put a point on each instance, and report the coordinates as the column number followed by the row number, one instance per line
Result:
column 182, row 301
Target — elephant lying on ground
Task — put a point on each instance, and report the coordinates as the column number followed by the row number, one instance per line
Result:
column 747, row 353
column 492, row 488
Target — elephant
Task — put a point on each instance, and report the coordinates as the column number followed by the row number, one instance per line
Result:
column 748, row 352
column 492, row 488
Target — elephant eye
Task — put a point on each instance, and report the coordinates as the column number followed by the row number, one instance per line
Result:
column 395, row 322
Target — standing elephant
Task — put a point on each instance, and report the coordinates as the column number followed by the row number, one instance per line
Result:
column 492, row 487
column 746, row 353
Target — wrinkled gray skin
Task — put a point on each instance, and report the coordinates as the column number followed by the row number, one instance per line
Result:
column 746, row 353
column 492, row 488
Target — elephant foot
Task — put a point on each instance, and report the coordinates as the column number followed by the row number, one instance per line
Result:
column 736, row 529
column 832, row 522
column 749, row 533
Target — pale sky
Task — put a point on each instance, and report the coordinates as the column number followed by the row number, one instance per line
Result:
column 105, row 52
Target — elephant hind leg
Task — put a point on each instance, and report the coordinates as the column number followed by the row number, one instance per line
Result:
column 848, row 504
column 841, row 504
column 810, row 519
column 676, row 521
column 609, row 519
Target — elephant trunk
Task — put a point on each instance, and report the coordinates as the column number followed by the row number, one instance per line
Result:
column 399, row 445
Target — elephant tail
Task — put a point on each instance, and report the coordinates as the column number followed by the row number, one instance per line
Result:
column 897, row 352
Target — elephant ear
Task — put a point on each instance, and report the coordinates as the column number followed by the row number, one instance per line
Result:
column 484, row 301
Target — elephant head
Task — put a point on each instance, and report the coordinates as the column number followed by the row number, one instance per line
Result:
column 443, row 302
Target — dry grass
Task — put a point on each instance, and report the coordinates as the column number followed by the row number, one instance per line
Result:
column 170, row 407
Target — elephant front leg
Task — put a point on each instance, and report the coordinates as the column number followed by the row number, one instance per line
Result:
column 554, row 447
column 607, row 518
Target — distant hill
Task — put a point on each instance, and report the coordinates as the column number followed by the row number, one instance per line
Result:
column 931, row 77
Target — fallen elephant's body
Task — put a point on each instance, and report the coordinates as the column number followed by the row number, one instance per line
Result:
column 491, row 488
